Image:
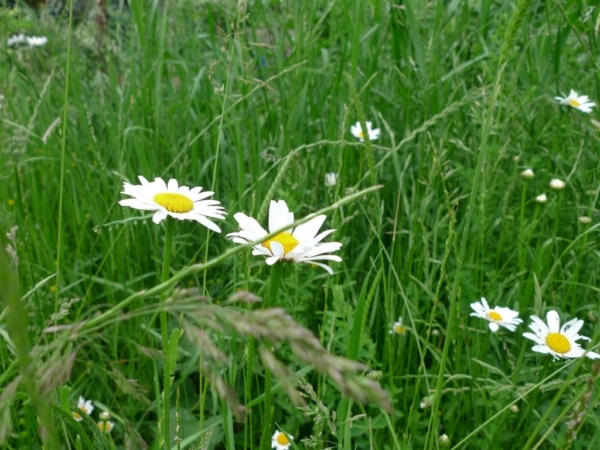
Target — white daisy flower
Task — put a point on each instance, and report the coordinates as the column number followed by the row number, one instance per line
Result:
column 330, row 179
column 16, row 39
column 557, row 184
column 580, row 102
column 300, row 245
column 397, row 327
column 497, row 317
column 357, row 132
column 173, row 200
column 35, row 41
column 106, row 426
column 85, row 406
column 281, row 441
column 559, row 342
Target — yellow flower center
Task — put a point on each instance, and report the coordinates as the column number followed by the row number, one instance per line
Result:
column 104, row 426
column 558, row 342
column 77, row 416
column 173, row 202
column 282, row 439
column 493, row 315
column 400, row 329
column 574, row 103
column 361, row 135
column 286, row 239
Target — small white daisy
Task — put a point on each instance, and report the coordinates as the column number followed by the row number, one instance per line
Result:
column 16, row 39
column 106, row 426
column 497, row 317
column 397, row 327
column 85, row 406
column 281, row 441
column 357, row 132
column 580, row 102
column 330, row 179
column 173, row 200
column 542, row 198
column 301, row 245
column 35, row 41
column 560, row 342
column 557, row 185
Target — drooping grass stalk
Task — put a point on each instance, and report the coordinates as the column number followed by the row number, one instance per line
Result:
column 265, row 443
column 165, row 426
column 507, row 45
column 197, row 268
column 63, row 153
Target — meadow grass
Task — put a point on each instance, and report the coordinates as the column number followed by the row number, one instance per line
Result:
column 254, row 100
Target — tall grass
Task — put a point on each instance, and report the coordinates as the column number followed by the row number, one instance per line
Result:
column 254, row 100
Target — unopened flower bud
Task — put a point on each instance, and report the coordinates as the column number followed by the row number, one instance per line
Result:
column 444, row 440
column 541, row 198
column 585, row 219
column 527, row 174
column 557, row 185
column 105, row 415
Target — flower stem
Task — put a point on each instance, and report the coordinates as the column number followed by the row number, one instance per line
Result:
column 522, row 242
column 170, row 225
column 273, row 290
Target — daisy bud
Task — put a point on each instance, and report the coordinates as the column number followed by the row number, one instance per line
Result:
column 541, row 198
column 375, row 375
column 104, row 415
column 557, row 185
column 585, row 219
column 527, row 174
column 514, row 408
column 444, row 440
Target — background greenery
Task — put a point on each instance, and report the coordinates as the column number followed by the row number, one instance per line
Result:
column 219, row 94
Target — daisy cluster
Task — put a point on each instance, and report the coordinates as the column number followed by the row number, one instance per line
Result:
column 85, row 408
column 549, row 336
column 301, row 244
column 32, row 41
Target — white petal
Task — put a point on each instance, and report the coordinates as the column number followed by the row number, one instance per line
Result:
column 541, row 349
column 207, row 223
column 327, row 268
column 494, row 326
column 308, row 230
column 553, row 321
column 277, row 249
column 160, row 185
column 159, row 216
column 485, row 304
column 172, row 186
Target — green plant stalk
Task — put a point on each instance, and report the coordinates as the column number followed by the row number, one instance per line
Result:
column 218, row 149
column 166, row 434
column 363, row 124
column 507, row 45
column 557, row 397
column 522, row 241
column 265, row 443
column 16, row 324
column 63, row 152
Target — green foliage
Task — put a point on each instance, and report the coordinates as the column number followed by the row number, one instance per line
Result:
column 253, row 100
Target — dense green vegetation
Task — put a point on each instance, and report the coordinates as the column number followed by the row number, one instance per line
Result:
column 254, row 101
